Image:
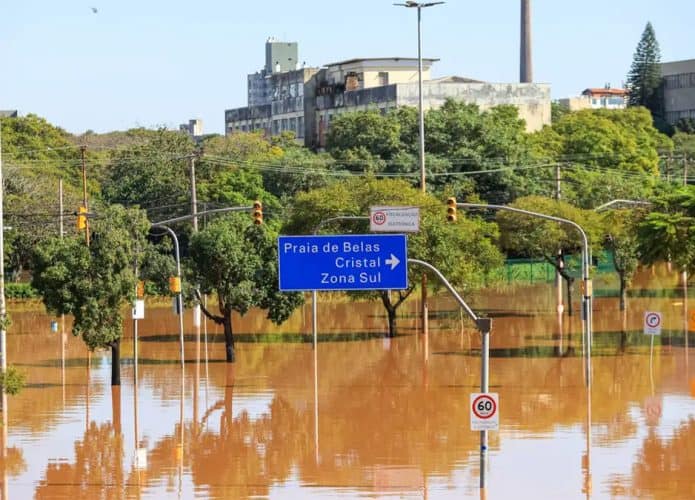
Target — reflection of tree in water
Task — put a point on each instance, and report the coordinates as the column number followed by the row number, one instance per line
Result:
column 13, row 464
column 664, row 468
column 96, row 471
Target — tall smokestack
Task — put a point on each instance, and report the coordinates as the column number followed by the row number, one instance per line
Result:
column 526, row 64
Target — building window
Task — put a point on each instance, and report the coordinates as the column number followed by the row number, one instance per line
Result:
column 284, row 124
column 382, row 78
column 276, row 127
column 300, row 126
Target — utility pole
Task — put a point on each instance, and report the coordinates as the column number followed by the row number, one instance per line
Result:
column 560, row 260
column 3, row 307
column 194, row 196
column 60, row 206
column 83, row 150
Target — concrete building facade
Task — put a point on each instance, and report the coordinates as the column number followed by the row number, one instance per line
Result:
column 305, row 100
column 678, row 90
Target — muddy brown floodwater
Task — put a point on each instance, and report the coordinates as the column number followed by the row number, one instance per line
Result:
column 372, row 417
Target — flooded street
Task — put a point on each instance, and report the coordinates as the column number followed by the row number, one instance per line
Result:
column 367, row 416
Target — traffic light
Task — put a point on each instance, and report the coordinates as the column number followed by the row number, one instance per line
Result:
column 257, row 212
column 140, row 290
column 174, row 284
column 81, row 218
column 451, row 209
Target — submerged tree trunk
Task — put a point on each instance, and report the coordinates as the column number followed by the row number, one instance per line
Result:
column 390, row 312
column 226, row 321
column 116, row 362
column 570, row 281
column 392, row 307
column 623, row 291
column 228, row 336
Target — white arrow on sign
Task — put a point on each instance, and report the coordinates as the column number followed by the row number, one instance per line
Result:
column 393, row 262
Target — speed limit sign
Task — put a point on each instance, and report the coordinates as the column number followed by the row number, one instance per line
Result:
column 485, row 414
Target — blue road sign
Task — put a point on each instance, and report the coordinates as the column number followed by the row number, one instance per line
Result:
column 343, row 262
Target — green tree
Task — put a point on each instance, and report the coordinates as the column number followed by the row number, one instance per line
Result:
column 528, row 236
column 238, row 262
column 465, row 251
column 621, row 239
column 668, row 232
column 644, row 78
column 151, row 172
column 366, row 132
column 604, row 154
column 94, row 283
column 36, row 155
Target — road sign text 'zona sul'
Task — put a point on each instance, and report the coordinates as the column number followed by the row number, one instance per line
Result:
column 343, row 262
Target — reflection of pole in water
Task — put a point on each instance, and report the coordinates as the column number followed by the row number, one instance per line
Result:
column 63, row 340
column 179, row 450
column 89, row 368
column 205, row 339
column 586, row 459
column 5, row 425
column 316, row 406
column 196, row 380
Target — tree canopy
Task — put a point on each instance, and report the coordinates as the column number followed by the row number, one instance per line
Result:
column 644, row 78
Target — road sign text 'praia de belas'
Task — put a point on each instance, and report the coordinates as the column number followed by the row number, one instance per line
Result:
column 342, row 262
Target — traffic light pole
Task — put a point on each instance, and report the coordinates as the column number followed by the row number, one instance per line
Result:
column 587, row 310
column 178, row 275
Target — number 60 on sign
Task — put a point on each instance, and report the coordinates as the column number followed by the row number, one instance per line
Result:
column 485, row 415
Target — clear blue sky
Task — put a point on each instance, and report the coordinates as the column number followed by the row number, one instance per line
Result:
column 154, row 62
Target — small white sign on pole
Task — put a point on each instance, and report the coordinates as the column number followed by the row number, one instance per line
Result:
column 394, row 219
column 652, row 323
column 485, row 411
column 141, row 458
column 139, row 309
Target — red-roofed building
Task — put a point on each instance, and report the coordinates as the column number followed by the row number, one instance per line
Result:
column 597, row 98
column 607, row 97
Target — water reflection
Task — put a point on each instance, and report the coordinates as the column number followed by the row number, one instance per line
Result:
column 360, row 415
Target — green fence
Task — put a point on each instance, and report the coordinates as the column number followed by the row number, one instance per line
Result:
column 530, row 271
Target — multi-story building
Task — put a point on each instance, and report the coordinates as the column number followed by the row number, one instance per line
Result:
column 275, row 94
column 597, row 98
column 678, row 90
column 387, row 83
column 194, row 127
column 305, row 100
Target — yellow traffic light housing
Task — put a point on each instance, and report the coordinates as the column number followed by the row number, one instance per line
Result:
column 174, row 284
column 451, row 209
column 81, row 218
column 257, row 213
column 140, row 290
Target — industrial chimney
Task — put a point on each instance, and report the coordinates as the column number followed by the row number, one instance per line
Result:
column 526, row 64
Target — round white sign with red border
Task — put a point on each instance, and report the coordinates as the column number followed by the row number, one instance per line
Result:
column 652, row 323
column 379, row 218
column 485, row 411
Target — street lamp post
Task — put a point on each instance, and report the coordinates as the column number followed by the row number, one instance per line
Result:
column 587, row 308
column 421, row 116
column 179, row 298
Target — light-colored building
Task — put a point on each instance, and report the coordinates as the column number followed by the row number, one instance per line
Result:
column 597, row 98
column 387, row 83
column 305, row 100
column 194, row 127
column 678, row 90
column 275, row 94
